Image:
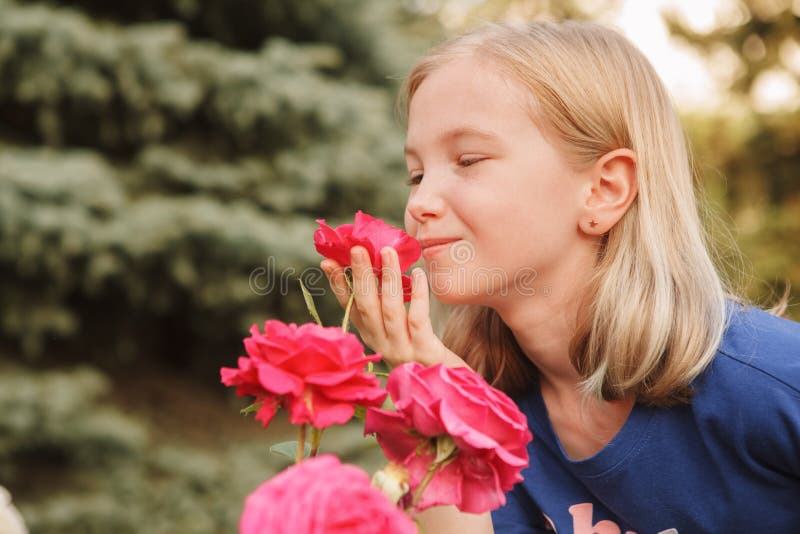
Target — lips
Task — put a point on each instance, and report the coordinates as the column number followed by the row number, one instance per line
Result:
column 434, row 246
column 432, row 242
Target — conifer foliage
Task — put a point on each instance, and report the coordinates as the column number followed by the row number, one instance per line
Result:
column 161, row 167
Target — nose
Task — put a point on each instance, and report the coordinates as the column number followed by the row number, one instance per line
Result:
column 426, row 201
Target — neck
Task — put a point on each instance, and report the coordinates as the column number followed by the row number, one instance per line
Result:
column 544, row 324
column 544, row 327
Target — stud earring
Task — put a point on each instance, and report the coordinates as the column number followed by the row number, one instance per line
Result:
column 592, row 223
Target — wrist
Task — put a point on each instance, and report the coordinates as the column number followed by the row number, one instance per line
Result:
column 451, row 359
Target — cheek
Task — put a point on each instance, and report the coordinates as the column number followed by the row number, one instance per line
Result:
column 529, row 234
column 552, row 204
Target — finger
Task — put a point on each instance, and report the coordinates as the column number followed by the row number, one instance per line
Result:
column 341, row 290
column 394, row 311
column 420, row 328
column 365, row 289
column 337, row 279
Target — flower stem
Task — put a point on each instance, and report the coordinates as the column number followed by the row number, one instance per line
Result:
column 424, row 484
column 316, row 438
column 346, row 320
column 301, row 444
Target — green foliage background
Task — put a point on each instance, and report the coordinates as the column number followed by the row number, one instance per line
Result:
column 161, row 166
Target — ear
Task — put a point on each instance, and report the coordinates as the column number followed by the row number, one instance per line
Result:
column 611, row 187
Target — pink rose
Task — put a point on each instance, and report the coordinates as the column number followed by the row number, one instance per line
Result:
column 372, row 234
column 317, row 373
column 321, row 495
column 489, row 432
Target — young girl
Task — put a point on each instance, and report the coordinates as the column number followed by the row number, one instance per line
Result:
column 551, row 190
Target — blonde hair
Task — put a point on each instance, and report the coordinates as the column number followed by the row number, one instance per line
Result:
column 654, row 311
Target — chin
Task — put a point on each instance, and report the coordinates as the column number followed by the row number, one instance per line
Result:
column 465, row 288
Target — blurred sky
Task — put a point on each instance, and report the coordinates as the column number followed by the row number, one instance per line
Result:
column 697, row 84
column 688, row 77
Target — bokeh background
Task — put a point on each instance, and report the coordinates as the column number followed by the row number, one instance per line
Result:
column 161, row 166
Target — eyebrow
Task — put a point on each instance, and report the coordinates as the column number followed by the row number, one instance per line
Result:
column 455, row 133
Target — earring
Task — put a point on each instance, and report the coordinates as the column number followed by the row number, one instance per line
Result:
column 592, row 223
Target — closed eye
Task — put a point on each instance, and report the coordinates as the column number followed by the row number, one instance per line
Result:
column 467, row 161
column 415, row 179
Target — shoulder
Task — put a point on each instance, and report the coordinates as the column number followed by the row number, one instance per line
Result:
column 760, row 347
column 749, row 396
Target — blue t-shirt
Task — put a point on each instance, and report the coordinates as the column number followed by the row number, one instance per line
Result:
column 727, row 462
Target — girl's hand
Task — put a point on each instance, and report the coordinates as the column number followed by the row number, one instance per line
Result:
column 379, row 313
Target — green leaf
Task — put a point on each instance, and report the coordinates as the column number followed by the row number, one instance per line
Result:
column 312, row 309
column 289, row 449
column 252, row 408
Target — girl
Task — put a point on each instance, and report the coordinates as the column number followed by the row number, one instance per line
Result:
column 551, row 190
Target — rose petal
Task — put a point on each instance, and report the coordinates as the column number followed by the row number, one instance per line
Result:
column 328, row 412
column 406, row 280
column 489, row 431
column 407, row 382
column 365, row 392
column 298, row 408
column 331, row 378
column 457, row 428
column 392, row 433
column 369, row 232
column 444, row 488
column 328, row 242
column 322, row 495
column 481, row 489
column 278, row 381
column 269, row 406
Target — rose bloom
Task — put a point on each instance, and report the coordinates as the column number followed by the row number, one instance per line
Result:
column 489, row 431
column 372, row 234
column 315, row 372
column 321, row 495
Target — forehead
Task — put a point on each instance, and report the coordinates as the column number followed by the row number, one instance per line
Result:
column 468, row 93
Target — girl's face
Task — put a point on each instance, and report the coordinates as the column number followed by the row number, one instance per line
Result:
column 483, row 176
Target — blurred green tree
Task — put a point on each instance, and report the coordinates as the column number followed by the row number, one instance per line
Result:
column 161, row 167
column 748, row 147
column 162, row 164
